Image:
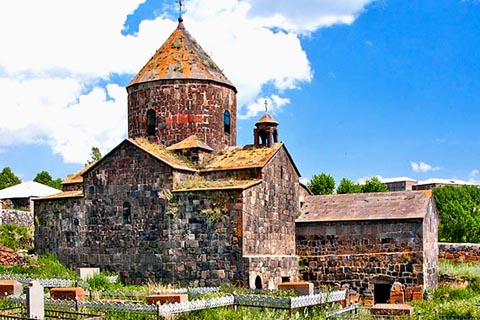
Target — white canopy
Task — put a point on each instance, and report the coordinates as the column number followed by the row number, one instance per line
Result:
column 27, row 190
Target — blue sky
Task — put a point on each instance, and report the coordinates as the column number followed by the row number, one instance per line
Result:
column 360, row 88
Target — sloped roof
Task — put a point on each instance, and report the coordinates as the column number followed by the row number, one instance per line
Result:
column 163, row 154
column 444, row 181
column 77, row 176
column 180, row 57
column 366, row 206
column 190, row 143
column 204, row 184
column 268, row 119
column 27, row 190
column 62, row 195
column 243, row 158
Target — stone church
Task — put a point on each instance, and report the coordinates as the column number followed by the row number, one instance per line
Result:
column 178, row 202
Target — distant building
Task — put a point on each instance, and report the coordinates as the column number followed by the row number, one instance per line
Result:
column 399, row 183
column 429, row 184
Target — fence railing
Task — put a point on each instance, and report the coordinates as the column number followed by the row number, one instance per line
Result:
column 289, row 303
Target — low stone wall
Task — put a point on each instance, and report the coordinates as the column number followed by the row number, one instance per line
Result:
column 23, row 218
column 459, row 252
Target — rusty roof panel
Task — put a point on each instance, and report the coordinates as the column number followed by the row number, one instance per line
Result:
column 365, row 206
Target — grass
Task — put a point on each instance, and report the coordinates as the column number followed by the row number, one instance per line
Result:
column 16, row 237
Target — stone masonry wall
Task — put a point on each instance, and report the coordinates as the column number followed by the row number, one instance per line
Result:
column 22, row 218
column 459, row 252
column 361, row 253
column 270, row 210
column 59, row 226
column 189, row 238
column 183, row 108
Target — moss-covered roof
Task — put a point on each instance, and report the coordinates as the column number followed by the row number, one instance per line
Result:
column 200, row 183
column 180, row 57
column 160, row 152
column 191, row 142
column 243, row 158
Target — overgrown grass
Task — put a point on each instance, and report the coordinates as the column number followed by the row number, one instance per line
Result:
column 43, row 267
column 16, row 237
column 467, row 270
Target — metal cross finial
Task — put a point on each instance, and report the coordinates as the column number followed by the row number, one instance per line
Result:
column 266, row 106
column 180, row 6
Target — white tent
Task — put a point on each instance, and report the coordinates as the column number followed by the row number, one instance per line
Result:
column 27, row 189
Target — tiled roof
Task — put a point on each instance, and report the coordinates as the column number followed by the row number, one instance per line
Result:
column 180, row 57
column 163, row 154
column 243, row 158
column 267, row 118
column 365, row 206
column 61, row 195
column 190, row 143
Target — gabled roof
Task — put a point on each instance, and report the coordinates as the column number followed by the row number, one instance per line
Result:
column 161, row 153
column 191, row 142
column 27, row 190
column 180, row 57
column 366, row 206
column 243, row 158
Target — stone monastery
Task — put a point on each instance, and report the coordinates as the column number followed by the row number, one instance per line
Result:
column 178, row 202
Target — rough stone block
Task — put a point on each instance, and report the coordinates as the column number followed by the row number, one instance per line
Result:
column 301, row 288
column 85, row 273
column 73, row 293
column 397, row 297
column 167, row 298
column 384, row 309
column 10, row 287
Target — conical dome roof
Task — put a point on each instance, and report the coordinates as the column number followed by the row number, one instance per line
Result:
column 180, row 57
column 267, row 119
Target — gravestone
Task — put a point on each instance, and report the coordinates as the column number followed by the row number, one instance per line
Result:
column 35, row 301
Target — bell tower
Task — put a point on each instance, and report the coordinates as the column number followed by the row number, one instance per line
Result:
column 181, row 92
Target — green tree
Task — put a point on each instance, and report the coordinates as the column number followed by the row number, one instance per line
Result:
column 374, row 185
column 321, row 184
column 459, row 211
column 8, row 178
column 95, row 155
column 347, row 186
column 45, row 178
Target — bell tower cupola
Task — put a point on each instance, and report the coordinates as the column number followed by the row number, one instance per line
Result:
column 266, row 133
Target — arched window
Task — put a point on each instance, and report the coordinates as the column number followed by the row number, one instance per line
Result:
column 151, row 122
column 226, row 121
column 127, row 218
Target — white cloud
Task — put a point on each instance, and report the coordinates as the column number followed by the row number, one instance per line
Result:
column 422, row 167
column 472, row 177
column 55, row 53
